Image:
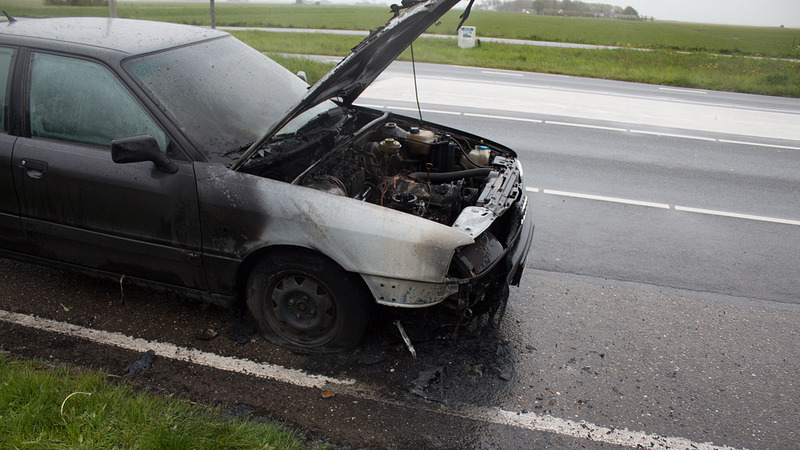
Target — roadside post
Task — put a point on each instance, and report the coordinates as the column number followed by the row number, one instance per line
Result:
column 467, row 37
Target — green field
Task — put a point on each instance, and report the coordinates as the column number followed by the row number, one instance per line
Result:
column 774, row 42
column 665, row 67
column 687, row 55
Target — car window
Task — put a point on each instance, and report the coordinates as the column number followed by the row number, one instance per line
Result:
column 6, row 56
column 81, row 101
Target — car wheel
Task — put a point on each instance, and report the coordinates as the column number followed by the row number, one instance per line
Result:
column 307, row 302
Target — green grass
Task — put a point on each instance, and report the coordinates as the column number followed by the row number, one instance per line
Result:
column 655, row 35
column 62, row 407
column 664, row 65
column 314, row 70
column 774, row 42
column 697, row 70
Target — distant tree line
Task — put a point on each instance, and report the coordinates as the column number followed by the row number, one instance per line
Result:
column 568, row 8
column 75, row 2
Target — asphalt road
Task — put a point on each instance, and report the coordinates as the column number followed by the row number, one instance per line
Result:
column 656, row 177
column 691, row 197
column 659, row 307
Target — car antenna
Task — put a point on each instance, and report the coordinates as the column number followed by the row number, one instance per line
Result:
column 8, row 16
column 463, row 18
column 416, row 91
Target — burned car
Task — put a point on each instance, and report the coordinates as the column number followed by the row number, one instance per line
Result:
column 179, row 157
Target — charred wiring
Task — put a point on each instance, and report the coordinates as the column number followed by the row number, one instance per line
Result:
column 418, row 171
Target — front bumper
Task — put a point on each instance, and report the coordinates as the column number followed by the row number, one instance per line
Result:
column 518, row 255
column 502, row 268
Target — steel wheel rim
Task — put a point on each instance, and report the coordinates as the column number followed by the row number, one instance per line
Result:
column 300, row 308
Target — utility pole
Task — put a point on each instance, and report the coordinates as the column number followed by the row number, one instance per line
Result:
column 213, row 16
column 112, row 8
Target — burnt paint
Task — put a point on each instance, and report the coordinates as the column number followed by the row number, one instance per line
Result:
column 243, row 213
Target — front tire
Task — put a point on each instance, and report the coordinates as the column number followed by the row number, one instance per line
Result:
column 305, row 301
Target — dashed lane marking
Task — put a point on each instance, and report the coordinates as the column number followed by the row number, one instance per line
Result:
column 737, row 215
column 432, row 111
column 488, row 116
column 679, row 136
column 607, row 199
column 527, row 421
column 625, row 201
column 583, row 125
column 756, row 144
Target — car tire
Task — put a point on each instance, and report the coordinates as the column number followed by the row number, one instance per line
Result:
column 304, row 301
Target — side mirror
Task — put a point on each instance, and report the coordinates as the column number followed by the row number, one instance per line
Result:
column 302, row 76
column 141, row 148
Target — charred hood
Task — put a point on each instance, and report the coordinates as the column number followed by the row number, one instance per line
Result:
column 371, row 57
column 364, row 64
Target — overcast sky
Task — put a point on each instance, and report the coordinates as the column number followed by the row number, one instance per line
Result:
column 770, row 13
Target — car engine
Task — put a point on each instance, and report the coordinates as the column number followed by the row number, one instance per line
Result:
column 428, row 173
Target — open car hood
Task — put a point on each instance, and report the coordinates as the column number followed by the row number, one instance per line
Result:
column 360, row 68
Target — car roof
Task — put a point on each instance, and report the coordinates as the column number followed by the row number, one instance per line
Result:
column 126, row 36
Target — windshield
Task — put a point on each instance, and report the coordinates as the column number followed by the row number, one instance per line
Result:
column 222, row 93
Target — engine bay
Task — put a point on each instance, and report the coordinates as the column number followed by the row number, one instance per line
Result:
column 389, row 160
column 426, row 172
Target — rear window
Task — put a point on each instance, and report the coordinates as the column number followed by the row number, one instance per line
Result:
column 6, row 57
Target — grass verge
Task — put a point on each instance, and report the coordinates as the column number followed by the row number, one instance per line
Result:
column 61, row 407
column 767, row 41
column 666, row 67
column 665, row 64
column 314, row 70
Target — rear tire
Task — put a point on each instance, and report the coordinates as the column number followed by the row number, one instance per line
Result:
column 304, row 301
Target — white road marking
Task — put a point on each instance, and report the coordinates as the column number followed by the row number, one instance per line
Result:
column 606, row 199
column 775, row 110
column 478, row 95
column 688, row 209
column 737, row 215
column 682, row 136
column 508, row 74
column 686, row 91
column 489, row 116
column 434, row 111
column 590, row 431
column 527, row 421
column 756, row 144
column 581, row 125
column 166, row 350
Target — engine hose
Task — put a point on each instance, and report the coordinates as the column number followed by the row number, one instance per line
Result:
column 451, row 176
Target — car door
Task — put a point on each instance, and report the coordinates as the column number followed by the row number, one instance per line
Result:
column 12, row 238
column 81, row 208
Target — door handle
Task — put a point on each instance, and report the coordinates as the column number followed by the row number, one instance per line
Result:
column 33, row 167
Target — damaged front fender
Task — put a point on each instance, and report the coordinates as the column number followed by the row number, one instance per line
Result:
column 243, row 213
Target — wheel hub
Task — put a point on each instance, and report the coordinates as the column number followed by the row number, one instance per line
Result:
column 302, row 307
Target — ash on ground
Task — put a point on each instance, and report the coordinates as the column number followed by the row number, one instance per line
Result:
column 456, row 363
